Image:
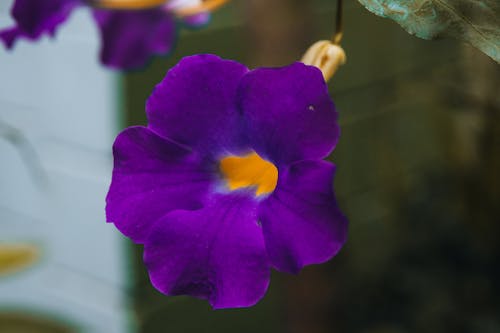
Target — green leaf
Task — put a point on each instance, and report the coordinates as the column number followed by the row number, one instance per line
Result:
column 474, row 21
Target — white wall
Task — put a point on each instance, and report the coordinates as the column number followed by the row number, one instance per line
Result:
column 65, row 104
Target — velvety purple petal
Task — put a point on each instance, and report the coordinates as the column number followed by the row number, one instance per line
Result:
column 11, row 35
column 151, row 177
column 216, row 253
column 301, row 221
column 34, row 18
column 289, row 113
column 131, row 37
column 196, row 104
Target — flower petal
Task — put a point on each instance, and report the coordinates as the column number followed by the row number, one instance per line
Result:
column 195, row 104
column 289, row 113
column 9, row 36
column 196, row 20
column 151, row 177
column 35, row 18
column 301, row 221
column 131, row 37
column 216, row 253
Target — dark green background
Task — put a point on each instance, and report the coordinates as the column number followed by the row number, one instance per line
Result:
column 418, row 177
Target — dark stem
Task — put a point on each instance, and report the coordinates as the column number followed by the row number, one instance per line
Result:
column 337, row 37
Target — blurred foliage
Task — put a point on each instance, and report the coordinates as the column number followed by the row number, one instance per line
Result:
column 474, row 21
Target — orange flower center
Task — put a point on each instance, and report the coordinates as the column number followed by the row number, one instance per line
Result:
column 204, row 6
column 249, row 171
column 128, row 4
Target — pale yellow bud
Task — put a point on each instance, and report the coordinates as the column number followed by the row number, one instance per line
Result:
column 325, row 55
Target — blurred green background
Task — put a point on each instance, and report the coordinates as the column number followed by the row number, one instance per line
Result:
column 418, row 177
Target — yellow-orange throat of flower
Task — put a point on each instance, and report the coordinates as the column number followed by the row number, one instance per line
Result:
column 204, row 6
column 249, row 171
column 16, row 257
column 128, row 4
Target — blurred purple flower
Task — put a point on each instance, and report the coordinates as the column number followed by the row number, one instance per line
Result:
column 228, row 179
column 129, row 37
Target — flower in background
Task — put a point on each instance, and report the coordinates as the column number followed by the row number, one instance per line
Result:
column 228, row 179
column 129, row 37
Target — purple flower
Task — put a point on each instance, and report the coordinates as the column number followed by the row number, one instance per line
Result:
column 129, row 37
column 228, row 179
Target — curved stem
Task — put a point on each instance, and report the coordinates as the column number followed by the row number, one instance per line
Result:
column 28, row 153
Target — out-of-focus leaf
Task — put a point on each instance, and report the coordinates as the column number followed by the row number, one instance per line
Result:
column 474, row 21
